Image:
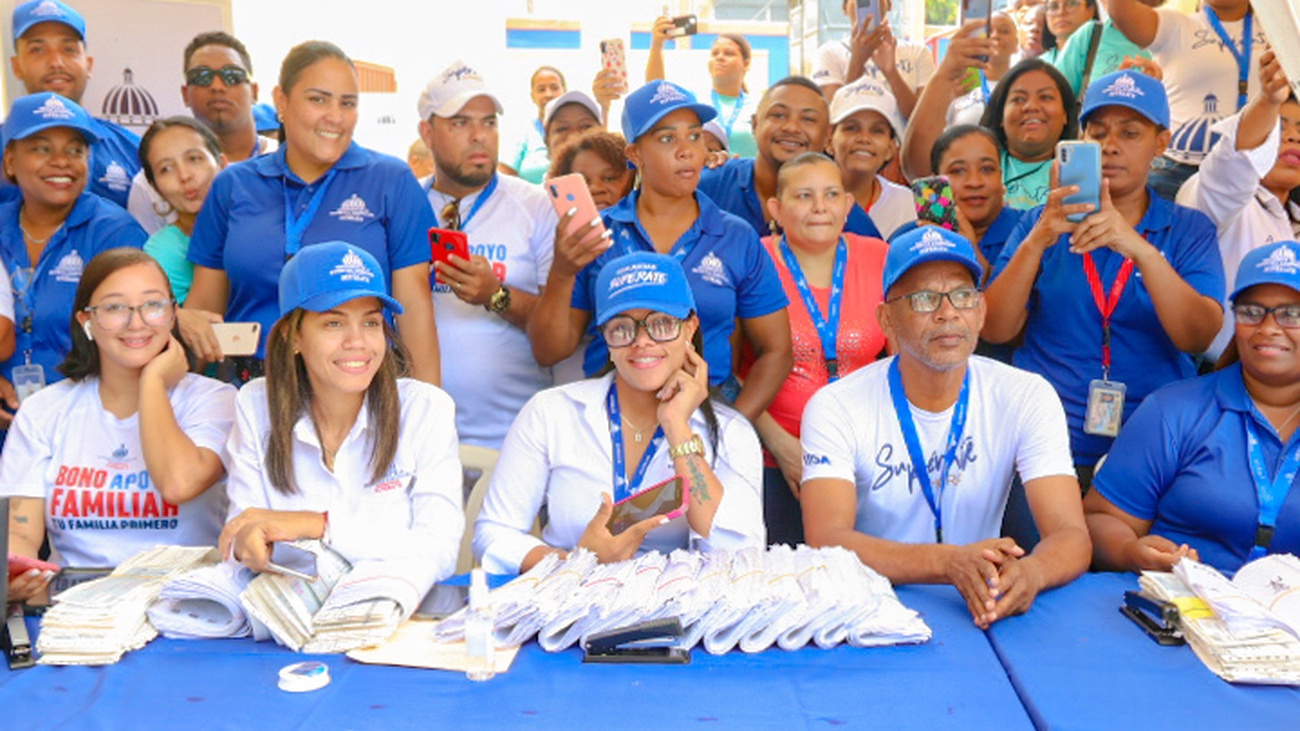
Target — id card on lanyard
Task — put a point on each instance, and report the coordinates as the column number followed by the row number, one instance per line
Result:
column 622, row 488
column 29, row 377
column 1242, row 56
column 933, row 493
column 1105, row 410
column 1271, row 491
column 828, row 327
column 296, row 226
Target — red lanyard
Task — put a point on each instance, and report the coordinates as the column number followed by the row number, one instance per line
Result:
column 1106, row 304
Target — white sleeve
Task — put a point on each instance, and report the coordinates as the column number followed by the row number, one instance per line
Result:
column 829, row 66
column 543, row 240
column 246, row 483
column 28, row 449
column 205, row 411
column 1229, row 177
column 827, row 438
column 1171, row 24
column 6, row 295
column 738, row 523
column 140, row 204
column 515, row 495
column 1043, row 441
column 922, row 67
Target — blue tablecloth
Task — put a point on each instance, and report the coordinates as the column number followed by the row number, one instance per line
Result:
column 1078, row 663
column 955, row 681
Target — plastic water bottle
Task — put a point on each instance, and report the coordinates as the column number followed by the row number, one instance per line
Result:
column 480, row 646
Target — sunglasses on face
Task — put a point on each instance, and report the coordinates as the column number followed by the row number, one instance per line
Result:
column 203, row 75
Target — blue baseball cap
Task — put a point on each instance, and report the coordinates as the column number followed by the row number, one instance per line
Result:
column 46, row 11
column 321, row 277
column 656, row 100
column 41, row 111
column 643, row 280
column 1276, row 263
column 1133, row 89
column 928, row 243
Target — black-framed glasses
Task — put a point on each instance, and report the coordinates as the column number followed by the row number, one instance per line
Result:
column 1249, row 313
column 620, row 331
column 203, row 75
column 925, row 301
column 115, row 316
column 1060, row 6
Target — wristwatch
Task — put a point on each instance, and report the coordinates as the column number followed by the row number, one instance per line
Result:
column 694, row 445
column 500, row 301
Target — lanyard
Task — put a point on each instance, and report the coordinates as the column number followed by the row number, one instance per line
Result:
column 828, row 327
column 735, row 111
column 984, row 88
column 1006, row 166
column 1271, row 492
column 1106, row 304
column 296, row 226
column 1242, row 56
column 908, row 427
column 623, row 490
column 478, row 202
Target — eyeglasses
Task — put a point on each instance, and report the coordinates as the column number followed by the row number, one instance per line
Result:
column 116, row 316
column 203, row 75
column 925, row 301
column 620, row 331
column 1249, row 313
column 1060, row 7
column 451, row 215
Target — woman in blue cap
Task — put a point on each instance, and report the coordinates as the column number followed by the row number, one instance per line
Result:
column 730, row 275
column 49, row 233
column 1205, row 466
column 334, row 443
column 1118, row 304
column 649, row 418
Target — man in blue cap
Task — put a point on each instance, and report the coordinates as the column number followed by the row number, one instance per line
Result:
column 917, row 483
column 50, row 55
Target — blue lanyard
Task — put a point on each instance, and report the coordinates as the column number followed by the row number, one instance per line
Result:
column 908, row 427
column 735, row 111
column 1271, row 492
column 1243, row 57
column 296, row 226
column 984, row 88
column 623, row 490
column 478, row 202
column 828, row 327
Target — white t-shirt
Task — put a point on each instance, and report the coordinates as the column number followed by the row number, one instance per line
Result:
column 1197, row 66
column 913, row 61
column 88, row 467
column 559, row 455
column 147, row 206
column 969, row 107
column 894, row 207
column 411, row 519
column 1014, row 421
column 487, row 363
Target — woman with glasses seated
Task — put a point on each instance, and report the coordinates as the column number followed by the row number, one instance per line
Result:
column 1117, row 304
column 576, row 449
column 123, row 454
column 1204, row 467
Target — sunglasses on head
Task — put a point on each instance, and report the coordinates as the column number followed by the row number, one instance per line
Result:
column 203, row 75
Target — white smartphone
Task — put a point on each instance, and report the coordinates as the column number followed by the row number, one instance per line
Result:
column 237, row 338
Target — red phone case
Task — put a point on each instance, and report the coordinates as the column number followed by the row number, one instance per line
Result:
column 445, row 242
column 21, row 564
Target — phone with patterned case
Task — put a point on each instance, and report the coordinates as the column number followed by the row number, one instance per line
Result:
column 614, row 56
column 934, row 201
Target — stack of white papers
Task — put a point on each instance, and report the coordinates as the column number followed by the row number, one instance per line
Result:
column 203, row 603
column 94, row 623
column 1246, row 630
column 750, row 599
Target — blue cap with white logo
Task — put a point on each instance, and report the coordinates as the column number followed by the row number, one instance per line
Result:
column 37, row 112
column 656, row 100
column 928, row 243
column 46, row 11
column 321, row 277
column 643, row 280
column 1276, row 263
column 1133, row 89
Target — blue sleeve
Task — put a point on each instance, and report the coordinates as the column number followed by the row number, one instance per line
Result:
column 1026, row 224
column 1197, row 259
column 583, row 284
column 208, row 241
column 713, row 181
column 759, row 291
column 1142, row 462
column 409, row 220
column 131, row 234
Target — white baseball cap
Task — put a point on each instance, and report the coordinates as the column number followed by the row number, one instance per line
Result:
column 866, row 94
column 448, row 92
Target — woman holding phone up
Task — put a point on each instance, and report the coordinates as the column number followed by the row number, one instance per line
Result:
column 1115, row 305
column 649, row 416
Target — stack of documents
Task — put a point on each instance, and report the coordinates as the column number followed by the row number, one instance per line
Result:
column 1246, row 630
column 203, row 603
column 750, row 599
column 94, row 623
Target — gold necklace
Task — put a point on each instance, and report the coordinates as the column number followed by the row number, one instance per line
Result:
column 637, row 436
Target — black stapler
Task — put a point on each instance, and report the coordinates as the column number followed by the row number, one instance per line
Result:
column 652, row 642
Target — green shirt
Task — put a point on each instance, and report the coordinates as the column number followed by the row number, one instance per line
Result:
column 1113, row 48
column 1028, row 183
column 170, row 247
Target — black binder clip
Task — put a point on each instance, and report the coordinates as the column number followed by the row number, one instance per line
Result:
column 1159, row 619
column 652, row 642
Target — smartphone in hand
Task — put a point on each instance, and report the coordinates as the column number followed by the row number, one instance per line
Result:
column 667, row 498
column 568, row 192
column 1079, row 163
column 445, row 242
column 613, row 56
column 684, row 25
column 934, row 201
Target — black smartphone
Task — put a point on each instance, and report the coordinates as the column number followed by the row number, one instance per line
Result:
column 685, row 25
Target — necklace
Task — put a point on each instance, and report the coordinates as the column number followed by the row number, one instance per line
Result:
column 637, row 434
column 1280, row 427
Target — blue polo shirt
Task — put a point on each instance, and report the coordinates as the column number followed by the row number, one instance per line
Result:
column 994, row 238
column 114, row 161
column 1063, row 333
column 731, row 277
column 373, row 202
column 1181, row 463
column 93, row 225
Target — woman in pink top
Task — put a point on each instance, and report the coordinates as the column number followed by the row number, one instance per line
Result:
column 833, row 282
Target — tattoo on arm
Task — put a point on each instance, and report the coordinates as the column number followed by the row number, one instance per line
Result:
column 20, row 518
column 699, row 486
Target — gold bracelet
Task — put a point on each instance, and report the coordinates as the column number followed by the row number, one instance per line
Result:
column 694, row 445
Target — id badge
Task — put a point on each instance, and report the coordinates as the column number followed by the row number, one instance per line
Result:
column 28, row 379
column 1105, row 408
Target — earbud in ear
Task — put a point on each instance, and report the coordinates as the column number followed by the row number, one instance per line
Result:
column 86, row 326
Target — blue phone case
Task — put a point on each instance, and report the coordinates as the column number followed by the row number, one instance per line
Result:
column 1080, row 164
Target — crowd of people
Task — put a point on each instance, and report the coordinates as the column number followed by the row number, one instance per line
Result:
column 997, row 397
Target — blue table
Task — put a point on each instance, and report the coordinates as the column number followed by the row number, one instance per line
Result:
column 955, row 681
column 1077, row 663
